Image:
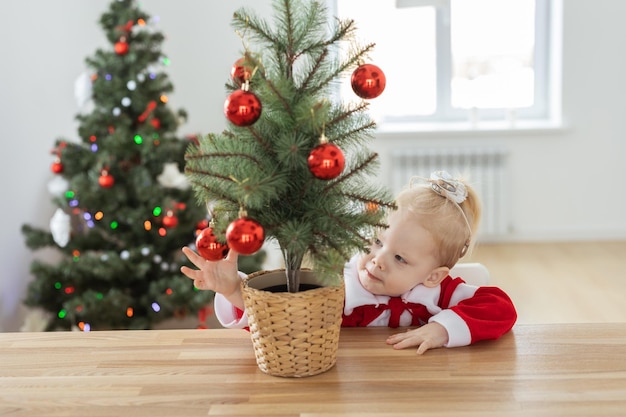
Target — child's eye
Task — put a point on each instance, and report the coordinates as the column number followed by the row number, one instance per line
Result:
column 400, row 259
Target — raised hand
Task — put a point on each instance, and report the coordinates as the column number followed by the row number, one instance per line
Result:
column 219, row 276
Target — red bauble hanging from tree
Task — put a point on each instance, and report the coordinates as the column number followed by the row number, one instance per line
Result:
column 245, row 236
column 368, row 81
column 242, row 108
column 106, row 180
column 57, row 167
column 242, row 70
column 121, row 46
column 208, row 246
column 326, row 161
column 169, row 220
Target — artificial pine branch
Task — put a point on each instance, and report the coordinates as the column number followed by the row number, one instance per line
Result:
column 361, row 107
column 261, row 140
column 355, row 132
column 353, row 171
column 220, row 155
column 283, row 100
column 316, row 66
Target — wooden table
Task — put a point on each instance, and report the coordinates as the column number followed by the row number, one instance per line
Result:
column 535, row 370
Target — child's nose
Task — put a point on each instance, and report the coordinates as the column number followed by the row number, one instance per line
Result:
column 378, row 262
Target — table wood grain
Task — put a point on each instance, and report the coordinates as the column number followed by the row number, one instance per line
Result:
column 535, row 370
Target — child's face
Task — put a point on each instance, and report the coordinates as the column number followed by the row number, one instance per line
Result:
column 401, row 257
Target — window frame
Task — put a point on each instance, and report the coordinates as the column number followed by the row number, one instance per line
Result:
column 544, row 109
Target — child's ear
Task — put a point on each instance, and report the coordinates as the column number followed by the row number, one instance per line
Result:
column 436, row 276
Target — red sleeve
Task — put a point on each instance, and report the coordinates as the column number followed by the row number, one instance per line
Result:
column 489, row 313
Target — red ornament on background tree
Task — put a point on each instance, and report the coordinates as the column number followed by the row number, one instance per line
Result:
column 169, row 220
column 242, row 107
column 57, row 166
column 106, row 180
column 368, row 81
column 326, row 161
column 245, row 235
column 209, row 247
column 149, row 109
column 121, row 46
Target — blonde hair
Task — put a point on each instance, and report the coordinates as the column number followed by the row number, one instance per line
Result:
column 453, row 226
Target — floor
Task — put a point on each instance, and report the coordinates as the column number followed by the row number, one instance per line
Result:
column 582, row 282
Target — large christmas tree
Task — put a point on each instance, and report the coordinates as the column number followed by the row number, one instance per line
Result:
column 294, row 165
column 124, row 207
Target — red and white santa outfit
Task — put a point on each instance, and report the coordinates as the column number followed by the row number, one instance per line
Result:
column 469, row 313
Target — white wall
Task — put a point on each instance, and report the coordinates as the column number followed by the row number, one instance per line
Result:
column 565, row 184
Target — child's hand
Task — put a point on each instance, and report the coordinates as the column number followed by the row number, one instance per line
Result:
column 429, row 336
column 219, row 276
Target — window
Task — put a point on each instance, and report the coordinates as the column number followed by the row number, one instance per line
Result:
column 457, row 60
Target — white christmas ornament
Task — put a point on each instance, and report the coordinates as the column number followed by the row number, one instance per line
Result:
column 58, row 186
column 60, row 227
column 35, row 321
column 83, row 89
column 171, row 177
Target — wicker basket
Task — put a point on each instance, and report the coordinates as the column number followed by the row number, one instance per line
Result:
column 293, row 334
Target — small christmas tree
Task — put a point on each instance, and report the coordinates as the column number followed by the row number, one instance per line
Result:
column 124, row 207
column 294, row 165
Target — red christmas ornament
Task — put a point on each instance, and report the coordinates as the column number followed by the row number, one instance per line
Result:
column 208, row 246
column 57, row 167
column 201, row 225
column 169, row 220
column 245, row 236
column 149, row 109
column 368, row 81
column 326, row 161
column 106, row 180
column 121, row 47
column 156, row 123
column 242, row 108
column 242, row 70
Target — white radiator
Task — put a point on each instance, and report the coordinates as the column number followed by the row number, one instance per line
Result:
column 485, row 169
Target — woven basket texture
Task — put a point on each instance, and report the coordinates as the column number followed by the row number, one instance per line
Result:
column 293, row 334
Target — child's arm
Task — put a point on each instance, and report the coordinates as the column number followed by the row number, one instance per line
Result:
column 219, row 276
column 469, row 314
column 488, row 313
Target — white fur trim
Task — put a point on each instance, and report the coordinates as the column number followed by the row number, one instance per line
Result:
column 226, row 313
column 458, row 331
